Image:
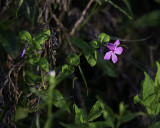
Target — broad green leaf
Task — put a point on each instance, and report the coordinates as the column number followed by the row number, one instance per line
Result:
column 90, row 55
column 43, row 63
column 67, row 70
column 103, row 37
column 148, row 90
column 150, row 19
column 20, row 113
column 33, row 78
column 42, row 36
column 80, row 116
column 25, row 36
column 73, row 60
column 157, row 79
column 106, row 66
column 130, row 116
column 36, row 46
column 33, row 59
column 8, row 40
column 95, row 111
column 108, row 113
column 78, row 42
column 59, row 101
column 94, row 44
column 155, row 125
column 101, row 124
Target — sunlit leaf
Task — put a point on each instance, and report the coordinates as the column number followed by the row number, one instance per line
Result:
column 42, row 36
column 95, row 111
column 73, row 59
column 33, row 59
column 103, row 37
column 25, row 36
column 157, row 79
column 67, row 70
column 80, row 116
column 20, row 113
column 89, row 53
column 43, row 63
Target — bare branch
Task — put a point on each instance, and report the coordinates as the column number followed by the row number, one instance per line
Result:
column 81, row 18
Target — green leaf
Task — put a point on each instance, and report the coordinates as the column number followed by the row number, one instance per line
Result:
column 74, row 125
column 8, row 40
column 157, row 79
column 59, row 101
column 94, row 44
column 78, row 42
column 155, row 125
column 33, row 78
column 83, row 77
column 150, row 19
column 36, row 46
column 106, row 66
column 130, row 116
column 42, row 36
column 108, row 113
column 20, row 113
column 67, row 70
column 103, row 37
column 73, row 59
column 90, row 55
column 25, row 36
column 148, row 90
column 19, row 5
column 80, row 116
column 95, row 111
column 122, row 108
column 101, row 124
column 33, row 59
column 43, row 63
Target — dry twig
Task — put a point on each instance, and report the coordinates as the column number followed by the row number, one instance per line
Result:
column 81, row 18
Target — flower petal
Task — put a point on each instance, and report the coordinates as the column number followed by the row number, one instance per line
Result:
column 100, row 50
column 118, row 50
column 108, row 55
column 117, row 43
column 114, row 58
column 111, row 46
column 23, row 51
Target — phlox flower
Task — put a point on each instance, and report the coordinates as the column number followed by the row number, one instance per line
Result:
column 23, row 51
column 114, row 49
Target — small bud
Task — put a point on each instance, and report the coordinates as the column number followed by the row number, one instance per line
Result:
column 52, row 73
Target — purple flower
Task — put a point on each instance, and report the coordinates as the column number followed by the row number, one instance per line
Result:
column 23, row 51
column 114, row 50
